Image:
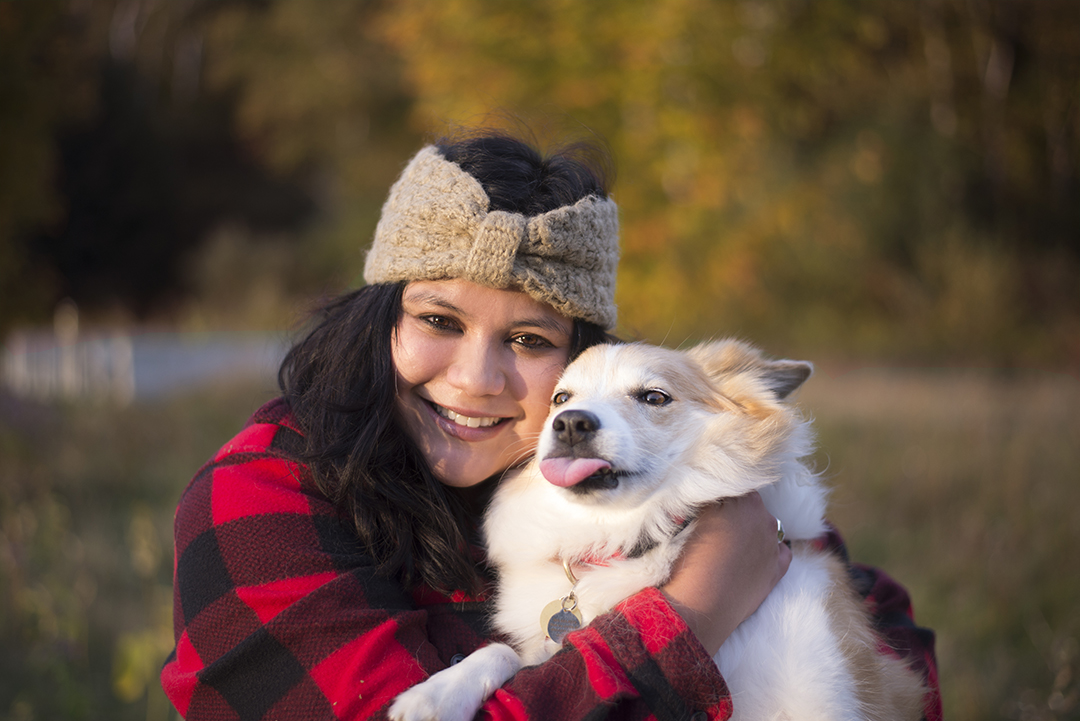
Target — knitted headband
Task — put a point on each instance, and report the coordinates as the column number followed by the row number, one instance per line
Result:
column 436, row 225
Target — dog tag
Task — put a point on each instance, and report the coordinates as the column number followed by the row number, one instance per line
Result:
column 557, row 620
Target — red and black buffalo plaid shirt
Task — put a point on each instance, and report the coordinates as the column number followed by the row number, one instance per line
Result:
column 280, row 615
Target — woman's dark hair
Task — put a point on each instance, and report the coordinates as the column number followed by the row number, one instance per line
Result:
column 339, row 382
column 518, row 179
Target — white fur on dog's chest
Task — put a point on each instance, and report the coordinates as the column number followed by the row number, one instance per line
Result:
column 529, row 552
column 787, row 654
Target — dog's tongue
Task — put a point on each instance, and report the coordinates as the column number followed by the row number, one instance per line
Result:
column 568, row 472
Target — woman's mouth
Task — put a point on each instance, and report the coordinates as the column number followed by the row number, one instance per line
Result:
column 467, row 421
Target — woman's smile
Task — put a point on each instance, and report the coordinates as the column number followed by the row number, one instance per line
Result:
column 476, row 367
column 461, row 419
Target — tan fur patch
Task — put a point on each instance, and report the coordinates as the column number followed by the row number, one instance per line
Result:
column 888, row 689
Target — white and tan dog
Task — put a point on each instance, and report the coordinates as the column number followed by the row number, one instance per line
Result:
column 638, row 439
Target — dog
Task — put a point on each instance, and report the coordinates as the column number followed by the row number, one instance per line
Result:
column 638, row 439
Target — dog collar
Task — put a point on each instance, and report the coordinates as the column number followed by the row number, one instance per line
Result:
column 643, row 546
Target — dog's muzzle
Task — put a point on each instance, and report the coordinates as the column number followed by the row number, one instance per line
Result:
column 573, row 461
column 574, row 428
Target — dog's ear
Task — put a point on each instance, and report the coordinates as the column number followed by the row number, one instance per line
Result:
column 784, row 376
column 730, row 364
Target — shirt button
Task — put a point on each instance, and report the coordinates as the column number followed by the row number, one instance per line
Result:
column 458, row 658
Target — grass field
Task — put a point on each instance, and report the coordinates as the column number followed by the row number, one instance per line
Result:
column 966, row 487
column 963, row 485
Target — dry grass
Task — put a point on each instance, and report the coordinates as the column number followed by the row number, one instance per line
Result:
column 86, row 504
column 962, row 485
column 966, row 487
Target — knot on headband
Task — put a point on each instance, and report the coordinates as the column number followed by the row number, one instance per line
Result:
column 436, row 225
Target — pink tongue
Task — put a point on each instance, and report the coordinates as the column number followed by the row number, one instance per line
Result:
column 566, row 472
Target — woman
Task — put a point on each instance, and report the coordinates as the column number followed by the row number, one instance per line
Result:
column 326, row 556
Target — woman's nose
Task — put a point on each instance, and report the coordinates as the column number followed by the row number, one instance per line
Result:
column 478, row 370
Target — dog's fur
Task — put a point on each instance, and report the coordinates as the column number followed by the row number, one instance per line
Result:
column 680, row 430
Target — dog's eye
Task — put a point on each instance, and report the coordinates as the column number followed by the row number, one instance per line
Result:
column 560, row 398
column 654, row 397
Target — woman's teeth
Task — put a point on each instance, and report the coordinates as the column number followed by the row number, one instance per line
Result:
column 465, row 420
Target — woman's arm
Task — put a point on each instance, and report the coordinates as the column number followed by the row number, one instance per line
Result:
column 278, row 613
column 727, row 568
column 639, row 661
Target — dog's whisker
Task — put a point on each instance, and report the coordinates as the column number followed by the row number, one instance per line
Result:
column 667, row 333
column 527, row 449
column 529, row 441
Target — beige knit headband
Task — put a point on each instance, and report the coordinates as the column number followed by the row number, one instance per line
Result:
column 436, row 225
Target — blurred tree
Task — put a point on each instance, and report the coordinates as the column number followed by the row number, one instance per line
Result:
column 887, row 177
column 144, row 185
column 42, row 83
column 138, row 174
column 322, row 92
column 895, row 177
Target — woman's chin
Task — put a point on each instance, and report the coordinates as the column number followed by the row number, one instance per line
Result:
column 463, row 477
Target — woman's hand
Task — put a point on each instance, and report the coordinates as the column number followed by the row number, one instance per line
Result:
column 727, row 568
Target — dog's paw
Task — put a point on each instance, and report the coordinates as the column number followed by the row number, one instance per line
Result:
column 446, row 696
column 414, row 705
column 458, row 692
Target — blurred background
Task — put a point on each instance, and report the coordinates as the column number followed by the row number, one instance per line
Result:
column 890, row 189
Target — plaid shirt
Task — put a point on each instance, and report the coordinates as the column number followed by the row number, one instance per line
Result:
column 278, row 614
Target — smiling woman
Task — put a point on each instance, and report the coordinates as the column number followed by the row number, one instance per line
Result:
column 475, row 370
column 327, row 557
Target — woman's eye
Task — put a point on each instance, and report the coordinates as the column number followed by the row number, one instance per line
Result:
column 438, row 321
column 560, row 398
column 531, row 341
column 655, row 397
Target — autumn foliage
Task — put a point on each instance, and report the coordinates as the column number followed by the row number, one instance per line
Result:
column 890, row 179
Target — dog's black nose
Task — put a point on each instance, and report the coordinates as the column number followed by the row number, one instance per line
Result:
column 572, row 427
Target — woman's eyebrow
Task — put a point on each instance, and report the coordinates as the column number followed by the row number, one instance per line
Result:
column 426, row 298
column 551, row 325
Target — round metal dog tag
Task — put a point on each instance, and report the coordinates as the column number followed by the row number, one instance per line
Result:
column 557, row 620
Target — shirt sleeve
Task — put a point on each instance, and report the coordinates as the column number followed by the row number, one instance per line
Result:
column 279, row 614
column 639, row 661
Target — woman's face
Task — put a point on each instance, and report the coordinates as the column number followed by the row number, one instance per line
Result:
column 476, row 368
